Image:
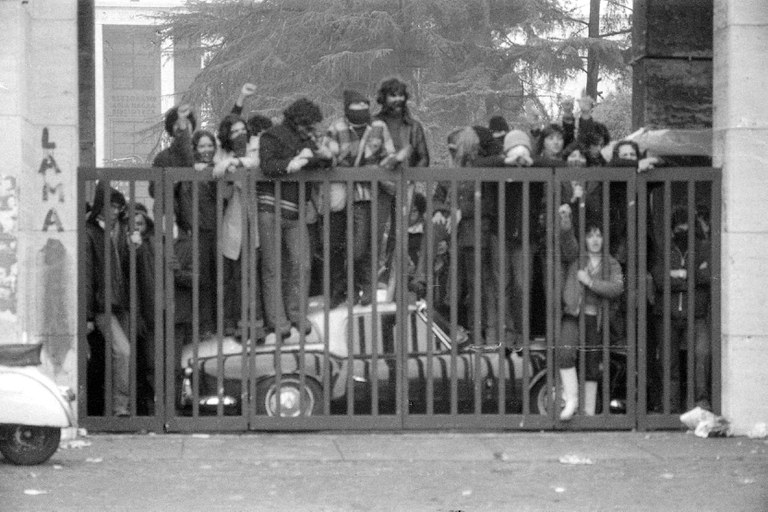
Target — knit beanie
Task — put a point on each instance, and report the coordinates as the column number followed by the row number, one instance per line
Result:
column 353, row 97
column 486, row 147
column 498, row 124
column 516, row 138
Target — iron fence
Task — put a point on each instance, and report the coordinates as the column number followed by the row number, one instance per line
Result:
column 432, row 299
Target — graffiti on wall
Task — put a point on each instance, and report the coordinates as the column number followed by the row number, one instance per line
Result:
column 9, row 213
column 52, row 262
column 53, row 188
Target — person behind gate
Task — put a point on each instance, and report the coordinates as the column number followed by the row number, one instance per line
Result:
column 591, row 283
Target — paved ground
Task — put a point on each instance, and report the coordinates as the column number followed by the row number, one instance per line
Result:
column 396, row 472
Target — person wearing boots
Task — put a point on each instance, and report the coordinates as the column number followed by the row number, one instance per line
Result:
column 591, row 283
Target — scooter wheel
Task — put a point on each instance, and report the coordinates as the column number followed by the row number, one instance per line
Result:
column 26, row 445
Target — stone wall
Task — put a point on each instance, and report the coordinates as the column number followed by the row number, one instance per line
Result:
column 38, row 221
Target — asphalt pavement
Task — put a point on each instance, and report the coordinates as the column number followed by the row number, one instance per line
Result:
column 423, row 471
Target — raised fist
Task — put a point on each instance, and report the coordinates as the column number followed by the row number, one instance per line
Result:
column 248, row 89
column 184, row 110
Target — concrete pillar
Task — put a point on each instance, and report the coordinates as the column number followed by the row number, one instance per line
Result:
column 741, row 149
column 38, row 173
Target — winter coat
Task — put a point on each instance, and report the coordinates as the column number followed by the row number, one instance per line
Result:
column 277, row 146
column 679, row 287
column 354, row 151
column 231, row 236
column 405, row 130
column 178, row 154
column 605, row 287
column 95, row 265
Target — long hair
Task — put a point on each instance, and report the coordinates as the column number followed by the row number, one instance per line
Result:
column 467, row 144
column 225, row 130
column 173, row 115
column 393, row 87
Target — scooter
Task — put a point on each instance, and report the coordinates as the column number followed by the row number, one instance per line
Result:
column 33, row 409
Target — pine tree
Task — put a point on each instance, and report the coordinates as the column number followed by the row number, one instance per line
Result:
column 464, row 60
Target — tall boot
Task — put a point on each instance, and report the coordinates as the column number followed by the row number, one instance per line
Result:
column 590, row 397
column 570, row 393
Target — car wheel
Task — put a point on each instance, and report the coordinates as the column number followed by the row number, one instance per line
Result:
column 542, row 397
column 295, row 399
column 25, row 445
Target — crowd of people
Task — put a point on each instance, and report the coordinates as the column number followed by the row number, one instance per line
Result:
column 592, row 276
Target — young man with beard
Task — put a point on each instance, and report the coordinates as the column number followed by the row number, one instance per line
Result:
column 356, row 140
column 411, row 146
column 286, row 149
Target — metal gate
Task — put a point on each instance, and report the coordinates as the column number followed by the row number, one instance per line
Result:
column 467, row 336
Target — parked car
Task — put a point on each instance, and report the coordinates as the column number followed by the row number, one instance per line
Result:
column 296, row 371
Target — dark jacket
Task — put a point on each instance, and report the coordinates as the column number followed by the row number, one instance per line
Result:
column 679, row 287
column 405, row 131
column 206, row 205
column 278, row 145
column 179, row 154
column 182, row 273
column 604, row 289
column 95, row 288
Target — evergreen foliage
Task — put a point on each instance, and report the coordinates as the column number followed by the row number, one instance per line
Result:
column 464, row 60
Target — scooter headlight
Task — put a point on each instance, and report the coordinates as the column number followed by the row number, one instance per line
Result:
column 67, row 393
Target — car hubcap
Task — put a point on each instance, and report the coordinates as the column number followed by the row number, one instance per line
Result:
column 290, row 401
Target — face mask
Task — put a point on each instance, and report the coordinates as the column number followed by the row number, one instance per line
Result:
column 204, row 156
column 239, row 144
column 359, row 117
column 681, row 239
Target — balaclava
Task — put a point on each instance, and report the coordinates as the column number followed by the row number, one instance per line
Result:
column 356, row 117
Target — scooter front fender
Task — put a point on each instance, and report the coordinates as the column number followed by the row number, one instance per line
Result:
column 28, row 397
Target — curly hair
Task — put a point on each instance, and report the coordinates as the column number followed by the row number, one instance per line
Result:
column 391, row 87
column 257, row 124
column 173, row 115
column 303, row 112
column 225, row 130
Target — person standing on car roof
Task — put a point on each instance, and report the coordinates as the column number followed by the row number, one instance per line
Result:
column 356, row 140
column 411, row 150
column 285, row 149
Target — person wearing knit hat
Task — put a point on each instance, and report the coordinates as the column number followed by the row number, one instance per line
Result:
column 355, row 140
column 517, row 149
column 498, row 125
column 499, row 128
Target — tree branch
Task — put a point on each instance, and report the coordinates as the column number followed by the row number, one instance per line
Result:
column 619, row 5
column 576, row 20
column 617, row 33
